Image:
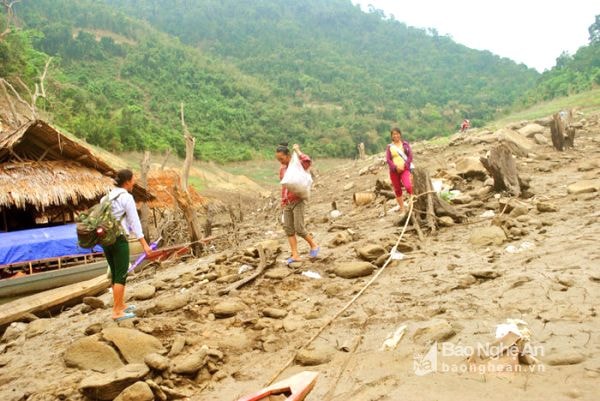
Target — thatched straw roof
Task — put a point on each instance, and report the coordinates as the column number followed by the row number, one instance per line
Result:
column 39, row 141
column 49, row 183
column 161, row 184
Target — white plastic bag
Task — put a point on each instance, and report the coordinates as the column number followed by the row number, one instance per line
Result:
column 297, row 180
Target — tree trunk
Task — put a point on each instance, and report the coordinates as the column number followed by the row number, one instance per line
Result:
column 182, row 195
column 503, row 169
column 361, row 151
column 145, row 212
column 557, row 129
column 570, row 138
column 428, row 204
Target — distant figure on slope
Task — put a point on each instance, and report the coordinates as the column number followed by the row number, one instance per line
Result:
column 117, row 254
column 293, row 206
column 399, row 158
column 466, row 124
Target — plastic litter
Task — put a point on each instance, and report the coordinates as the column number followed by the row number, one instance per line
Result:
column 392, row 340
column 244, row 269
column 525, row 245
column 488, row 214
column 396, row 255
column 516, row 326
column 335, row 214
column 311, row 274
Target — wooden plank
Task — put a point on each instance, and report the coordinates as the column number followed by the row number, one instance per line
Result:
column 14, row 310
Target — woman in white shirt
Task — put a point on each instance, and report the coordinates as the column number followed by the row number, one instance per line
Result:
column 117, row 254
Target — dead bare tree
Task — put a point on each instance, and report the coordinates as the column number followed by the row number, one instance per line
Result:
column 10, row 16
column 39, row 92
column 181, row 193
column 145, row 211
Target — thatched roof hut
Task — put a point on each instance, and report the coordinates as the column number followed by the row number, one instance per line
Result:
column 43, row 171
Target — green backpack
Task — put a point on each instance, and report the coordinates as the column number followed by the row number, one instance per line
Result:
column 97, row 225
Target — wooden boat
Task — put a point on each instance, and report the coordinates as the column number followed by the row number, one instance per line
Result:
column 47, row 300
column 294, row 388
column 47, row 280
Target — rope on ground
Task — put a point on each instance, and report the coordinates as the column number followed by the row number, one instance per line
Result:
column 358, row 295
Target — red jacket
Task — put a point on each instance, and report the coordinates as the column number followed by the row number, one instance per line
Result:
column 288, row 197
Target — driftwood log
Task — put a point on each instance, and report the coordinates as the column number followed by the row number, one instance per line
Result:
column 503, row 169
column 265, row 261
column 428, row 205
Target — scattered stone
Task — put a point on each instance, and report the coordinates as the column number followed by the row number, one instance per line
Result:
column 228, row 279
column 371, row 252
column 462, row 199
column 133, row 344
column 348, row 186
column 546, row 207
column 485, row 274
column 157, row 362
column 88, row 353
column 353, row 269
column 314, row 356
column 93, row 329
column 228, row 308
column 341, row 238
column 94, row 303
column 144, row 291
column 139, row 391
column 14, row 331
column 157, row 390
column 177, row 347
column 168, row 303
column 466, row 281
column 518, row 210
column 470, row 167
column 584, row 186
column 564, row 358
column 190, row 364
column 292, row 324
column 37, row 327
column 530, row 130
column 275, row 313
column 278, row 273
column 485, row 236
column 588, row 165
column 518, row 144
column 236, row 341
column 433, row 330
column 540, row 139
column 333, row 290
column 108, row 386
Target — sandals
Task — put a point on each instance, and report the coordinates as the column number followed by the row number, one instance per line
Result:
column 315, row 252
column 289, row 261
column 130, row 309
column 126, row 316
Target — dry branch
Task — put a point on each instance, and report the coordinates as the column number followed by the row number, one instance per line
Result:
column 265, row 261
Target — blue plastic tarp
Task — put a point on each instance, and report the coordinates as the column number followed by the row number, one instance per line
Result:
column 40, row 243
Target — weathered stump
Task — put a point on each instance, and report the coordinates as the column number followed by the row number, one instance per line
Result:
column 503, row 169
column 557, row 130
column 362, row 155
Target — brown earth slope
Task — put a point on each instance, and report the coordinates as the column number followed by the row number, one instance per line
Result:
column 452, row 288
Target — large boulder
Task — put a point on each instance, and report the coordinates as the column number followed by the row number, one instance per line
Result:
column 316, row 355
column 530, row 130
column 90, row 354
column 470, row 167
column 485, row 236
column 353, row 269
column 133, row 344
column 139, row 391
column 370, row 252
column 585, row 186
column 518, row 144
column 107, row 386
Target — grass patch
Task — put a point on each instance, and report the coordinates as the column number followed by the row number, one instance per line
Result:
column 586, row 102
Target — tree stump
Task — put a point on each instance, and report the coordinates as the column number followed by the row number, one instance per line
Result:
column 503, row 169
column 362, row 155
column 428, row 204
column 557, row 130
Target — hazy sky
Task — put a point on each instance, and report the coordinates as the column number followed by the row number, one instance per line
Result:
column 533, row 32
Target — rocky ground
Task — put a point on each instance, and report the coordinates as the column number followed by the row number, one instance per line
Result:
column 534, row 259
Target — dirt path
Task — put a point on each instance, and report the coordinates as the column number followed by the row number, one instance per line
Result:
column 446, row 290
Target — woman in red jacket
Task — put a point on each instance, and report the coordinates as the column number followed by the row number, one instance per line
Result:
column 293, row 206
column 399, row 158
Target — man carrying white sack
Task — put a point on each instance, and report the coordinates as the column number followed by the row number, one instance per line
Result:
column 294, row 203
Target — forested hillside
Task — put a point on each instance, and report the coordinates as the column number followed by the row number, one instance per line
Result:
column 251, row 74
column 572, row 73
